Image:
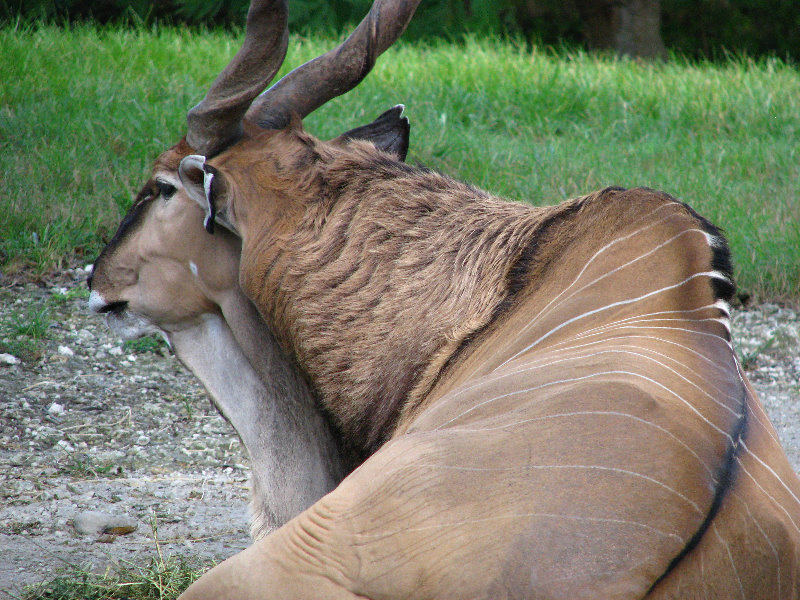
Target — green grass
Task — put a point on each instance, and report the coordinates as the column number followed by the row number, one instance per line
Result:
column 80, row 466
column 23, row 332
column 151, row 343
column 159, row 579
column 83, row 113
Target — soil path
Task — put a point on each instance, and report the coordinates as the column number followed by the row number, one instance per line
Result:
column 89, row 424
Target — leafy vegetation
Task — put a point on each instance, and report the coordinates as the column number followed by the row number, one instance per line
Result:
column 82, row 465
column 704, row 28
column 24, row 330
column 150, row 343
column 532, row 125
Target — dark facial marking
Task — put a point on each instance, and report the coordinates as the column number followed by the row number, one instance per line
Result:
column 130, row 222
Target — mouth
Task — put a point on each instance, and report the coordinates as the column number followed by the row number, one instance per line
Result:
column 117, row 308
column 121, row 320
column 128, row 325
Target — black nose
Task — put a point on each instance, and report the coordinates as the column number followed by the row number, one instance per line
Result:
column 114, row 307
column 99, row 305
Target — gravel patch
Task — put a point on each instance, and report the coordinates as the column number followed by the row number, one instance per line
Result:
column 92, row 425
column 89, row 425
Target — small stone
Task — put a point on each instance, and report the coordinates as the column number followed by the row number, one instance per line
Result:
column 120, row 529
column 91, row 522
column 19, row 460
column 8, row 359
column 66, row 446
column 56, row 409
column 88, row 268
column 65, row 351
column 115, row 351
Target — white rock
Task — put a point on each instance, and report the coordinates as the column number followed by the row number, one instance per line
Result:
column 93, row 523
column 88, row 268
column 56, row 409
column 65, row 445
column 8, row 359
column 115, row 351
column 65, row 351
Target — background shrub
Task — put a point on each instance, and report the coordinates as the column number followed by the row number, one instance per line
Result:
column 696, row 28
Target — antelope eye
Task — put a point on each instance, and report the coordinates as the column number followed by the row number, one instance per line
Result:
column 165, row 189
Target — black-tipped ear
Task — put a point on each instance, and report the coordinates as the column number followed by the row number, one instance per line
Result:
column 389, row 132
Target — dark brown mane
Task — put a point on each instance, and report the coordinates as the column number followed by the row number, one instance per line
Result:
column 359, row 201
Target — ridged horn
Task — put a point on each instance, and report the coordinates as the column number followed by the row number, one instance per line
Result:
column 336, row 72
column 216, row 122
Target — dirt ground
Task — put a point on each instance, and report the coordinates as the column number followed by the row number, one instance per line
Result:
column 87, row 424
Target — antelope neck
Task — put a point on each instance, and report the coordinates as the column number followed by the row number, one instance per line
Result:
column 374, row 293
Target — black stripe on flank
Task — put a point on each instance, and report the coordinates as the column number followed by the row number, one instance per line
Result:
column 725, row 480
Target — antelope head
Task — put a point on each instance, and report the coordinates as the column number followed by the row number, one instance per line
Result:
column 145, row 279
column 161, row 272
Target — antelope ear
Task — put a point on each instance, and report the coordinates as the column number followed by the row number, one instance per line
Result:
column 197, row 183
column 389, row 132
column 205, row 185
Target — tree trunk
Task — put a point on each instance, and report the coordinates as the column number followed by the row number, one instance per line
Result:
column 630, row 27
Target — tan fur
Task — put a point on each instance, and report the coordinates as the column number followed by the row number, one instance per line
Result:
column 305, row 250
column 163, row 273
column 552, row 391
column 176, row 279
column 548, row 398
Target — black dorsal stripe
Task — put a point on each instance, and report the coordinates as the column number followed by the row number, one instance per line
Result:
column 726, row 477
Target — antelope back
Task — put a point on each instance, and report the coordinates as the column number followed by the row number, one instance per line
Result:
column 597, row 438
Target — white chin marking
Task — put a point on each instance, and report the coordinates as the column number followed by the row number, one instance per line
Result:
column 193, row 268
column 96, row 301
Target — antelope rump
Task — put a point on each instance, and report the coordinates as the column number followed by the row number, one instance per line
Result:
column 543, row 402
